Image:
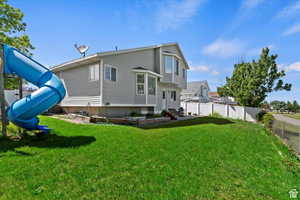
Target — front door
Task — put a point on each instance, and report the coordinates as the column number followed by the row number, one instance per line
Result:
column 164, row 100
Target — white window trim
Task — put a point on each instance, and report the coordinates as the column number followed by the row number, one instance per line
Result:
column 172, row 99
column 94, row 66
column 179, row 67
column 172, row 54
column 172, row 68
column 136, row 84
column 155, row 78
column 110, row 66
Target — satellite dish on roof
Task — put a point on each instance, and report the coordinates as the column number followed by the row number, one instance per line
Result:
column 82, row 49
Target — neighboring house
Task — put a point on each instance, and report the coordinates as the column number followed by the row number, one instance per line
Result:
column 115, row 83
column 216, row 98
column 197, row 91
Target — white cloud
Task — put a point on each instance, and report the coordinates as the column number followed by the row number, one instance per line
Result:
column 175, row 13
column 290, row 10
column 250, row 4
column 202, row 68
column 292, row 30
column 224, row 48
column 291, row 67
column 215, row 73
column 257, row 51
column 294, row 67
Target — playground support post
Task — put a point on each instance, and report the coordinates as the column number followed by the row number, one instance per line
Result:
column 2, row 95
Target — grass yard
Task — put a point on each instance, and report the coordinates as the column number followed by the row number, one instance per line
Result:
column 203, row 158
column 295, row 116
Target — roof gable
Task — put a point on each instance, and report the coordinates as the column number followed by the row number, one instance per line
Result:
column 194, row 87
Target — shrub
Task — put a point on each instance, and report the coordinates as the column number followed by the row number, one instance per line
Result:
column 135, row 114
column 216, row 115
column 260, row 115
column 268, row 120
column 163, row 113
column 150, row 116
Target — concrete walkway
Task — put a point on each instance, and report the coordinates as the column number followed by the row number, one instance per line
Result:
column 286, row 119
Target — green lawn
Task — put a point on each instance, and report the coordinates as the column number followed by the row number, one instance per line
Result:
column 295, row 116
column 204, row 158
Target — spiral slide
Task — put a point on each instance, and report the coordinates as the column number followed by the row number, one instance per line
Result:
column 51, row 91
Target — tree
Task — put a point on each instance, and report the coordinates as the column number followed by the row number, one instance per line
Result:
column 296, row 107
column 251, row 82
column 12, row 30
column 289, row 107
column 265, row 105
column 274, row 105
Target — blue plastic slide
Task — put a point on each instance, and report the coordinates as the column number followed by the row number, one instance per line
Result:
column 51, row 91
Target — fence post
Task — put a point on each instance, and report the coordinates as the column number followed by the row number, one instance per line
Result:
column 198, row 108
column 186, row 112
column 2, row 94
column 244, row 112
column 227, row 110
column 212, row 108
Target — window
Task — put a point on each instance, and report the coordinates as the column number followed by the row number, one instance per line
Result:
column 164, row 94
column 168, row 64
column 151, row 85
column 183, row 73
column 140, row 84
column 173, row 95
column 110, row 73
column 177, row 67
column 94, row 72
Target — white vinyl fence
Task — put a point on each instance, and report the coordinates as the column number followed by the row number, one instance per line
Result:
column 231, row 111
column 12, row 96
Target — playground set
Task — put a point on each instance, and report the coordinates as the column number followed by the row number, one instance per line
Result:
column 24, row 112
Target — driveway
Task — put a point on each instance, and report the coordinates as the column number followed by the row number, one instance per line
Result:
column 289, row 120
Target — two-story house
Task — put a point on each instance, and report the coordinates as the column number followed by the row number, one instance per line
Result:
column 116, row 83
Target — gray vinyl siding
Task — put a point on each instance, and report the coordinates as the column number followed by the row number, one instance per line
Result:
column 123, row 90
column 77, row 82
column 157, row 60
column 152, row 99
column 159, row 98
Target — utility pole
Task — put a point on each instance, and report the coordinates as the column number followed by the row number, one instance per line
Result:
column 2, row 95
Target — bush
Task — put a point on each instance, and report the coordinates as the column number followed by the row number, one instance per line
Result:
column 260, row 115
column 150, row 116
column 268, row 120
column 163, row 113
column 135, row 114
column 216, row 115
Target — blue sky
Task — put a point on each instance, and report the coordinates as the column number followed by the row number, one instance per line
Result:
column 213, row 34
